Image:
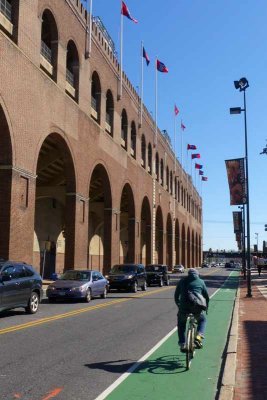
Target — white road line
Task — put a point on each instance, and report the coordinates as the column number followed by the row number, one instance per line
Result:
column 125, row 375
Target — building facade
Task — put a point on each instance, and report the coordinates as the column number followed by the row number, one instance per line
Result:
column 82, row 183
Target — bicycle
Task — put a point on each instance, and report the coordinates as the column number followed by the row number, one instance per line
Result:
column 190, row 339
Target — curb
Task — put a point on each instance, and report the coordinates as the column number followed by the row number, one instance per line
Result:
column 228, row 378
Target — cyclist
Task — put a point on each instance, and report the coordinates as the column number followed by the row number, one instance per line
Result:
column 194, row 284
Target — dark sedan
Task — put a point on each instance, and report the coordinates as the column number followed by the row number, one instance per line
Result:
column 20, row 286
column 127, row 277
column 78, row 284
column 157, row 274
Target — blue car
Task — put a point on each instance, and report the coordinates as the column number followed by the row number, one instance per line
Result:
column 78, row 284
column 20, row 286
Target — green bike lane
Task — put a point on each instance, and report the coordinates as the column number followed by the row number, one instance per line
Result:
column 163, row 373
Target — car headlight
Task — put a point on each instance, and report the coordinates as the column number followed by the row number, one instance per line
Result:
column 129, row 276
column 107, row 276
column 77, row 289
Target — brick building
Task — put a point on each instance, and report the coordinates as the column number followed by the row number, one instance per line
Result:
column 79, row 177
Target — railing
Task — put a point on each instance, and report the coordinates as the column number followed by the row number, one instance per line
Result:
column 46, row 52
column 6, row 9
column 70, row 77
column 94, row 103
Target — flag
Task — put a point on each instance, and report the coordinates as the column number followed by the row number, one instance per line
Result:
column 195, row 156
column 198, row 166
column 125, row 11
column 201, row 172
column 145, row 55
column 176, row 111
column 161, row 67
column 182, row 126
column 191, row 147
column 204, row 178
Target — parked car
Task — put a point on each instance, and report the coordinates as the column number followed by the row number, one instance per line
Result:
column 205, row 265
column 178, row 268
column 20, row 286
column 78, row 284
column 228, row 265
column 157, row 274
column 214, row 265
column 128, row 277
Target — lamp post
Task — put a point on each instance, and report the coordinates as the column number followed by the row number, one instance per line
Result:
column 242, row 208
column 242, row 85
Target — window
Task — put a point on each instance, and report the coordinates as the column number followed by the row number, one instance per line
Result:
column 95, row 97
column 161, row 172
column 143, row 151
column 49, row 44
column 167, row 179
column 72, row 71
column 157, row 166
column 149, row 156
column 9, row 18
column 133, row 140
column 109, row 113
column 124, row 129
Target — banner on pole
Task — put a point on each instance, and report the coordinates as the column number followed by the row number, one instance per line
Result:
column 237, row 218
column 237, row 181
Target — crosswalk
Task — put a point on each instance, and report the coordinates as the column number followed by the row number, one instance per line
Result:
column 260, row 281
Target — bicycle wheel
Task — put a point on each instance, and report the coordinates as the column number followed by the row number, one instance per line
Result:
column 188, row 348
column 193, row 335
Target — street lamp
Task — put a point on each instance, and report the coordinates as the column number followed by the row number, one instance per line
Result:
column 242, row 208
column 242, row 85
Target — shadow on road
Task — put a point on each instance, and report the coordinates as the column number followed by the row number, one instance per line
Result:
column 172, row 364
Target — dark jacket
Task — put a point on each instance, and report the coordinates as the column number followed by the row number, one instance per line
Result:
column 193, row 283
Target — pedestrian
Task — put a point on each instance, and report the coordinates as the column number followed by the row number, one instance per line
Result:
column 260, row 262
column 185, row 287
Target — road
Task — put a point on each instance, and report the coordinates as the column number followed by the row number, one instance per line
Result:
column 74, row 351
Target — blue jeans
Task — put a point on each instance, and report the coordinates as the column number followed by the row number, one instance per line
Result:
column 181, row 325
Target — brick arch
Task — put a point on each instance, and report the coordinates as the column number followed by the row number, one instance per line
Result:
column 159, row 236
column 193, row 249
column 145, row 231
column 188, row 247
column 49, row 42
column 183, row 246
column 96, row 97
column 177, row 243
column 169, row 233
column 127, row 225
column 6, row 159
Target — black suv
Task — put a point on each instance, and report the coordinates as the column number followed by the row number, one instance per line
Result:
column 157, row 274
column 20, row 286
column 128, row 277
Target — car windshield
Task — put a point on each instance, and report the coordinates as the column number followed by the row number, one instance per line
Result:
column 123, row 269
column 76, row 276
column 154, row 268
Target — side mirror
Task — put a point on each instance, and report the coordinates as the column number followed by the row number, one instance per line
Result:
column 5, row 278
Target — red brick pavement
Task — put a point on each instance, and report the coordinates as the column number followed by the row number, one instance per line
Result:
column 251, row 372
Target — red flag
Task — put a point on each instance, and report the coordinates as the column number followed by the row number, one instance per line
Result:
column 125, row 11
column 161, row 67
column 191, row 147
column 198, row 166
column 204, row 178
column 182, row 126
column 176, row 111
column 195, row 156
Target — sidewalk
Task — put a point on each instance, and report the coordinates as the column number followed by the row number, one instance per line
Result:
column 251, row 379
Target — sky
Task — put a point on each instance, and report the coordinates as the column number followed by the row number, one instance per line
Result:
column 206, row 46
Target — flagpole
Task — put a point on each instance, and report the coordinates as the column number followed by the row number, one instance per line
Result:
column 121, row 58
column 156, row 103
column 142, row 84
column 181, row 145
column 174, row 258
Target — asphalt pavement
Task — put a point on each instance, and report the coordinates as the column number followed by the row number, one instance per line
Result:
column 76, row 351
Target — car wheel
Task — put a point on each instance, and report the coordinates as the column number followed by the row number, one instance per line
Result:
column 33, row 303
column 161, row 283
column 104, row 295
column 134, row 287
column 144, row 287
column 88, row 296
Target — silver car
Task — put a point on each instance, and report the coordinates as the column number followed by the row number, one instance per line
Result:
column 178, row 268
column 74, row 284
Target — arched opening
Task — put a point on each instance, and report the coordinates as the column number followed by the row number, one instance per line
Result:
column 143, row 151
column 72, row 71
column 145, row 239
column 127, row 225
column 199, row 250
column 100, row 215
column 159, row 237
column 6, row 161
column 10, row 16
column 183, row 246
column 178, row 190
column 171, row 183
column 149, row 158
column 193, row 249
column 55, row 207
column 157, row 166
column 49, row 44
column 196, row 252
column 188, row 248
column 167, row 179
column 133, row 140
column 109, row 113
column 96, row 97
column 177, row 243
column 161, row 172
column 124, row 129
column 169, row 242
